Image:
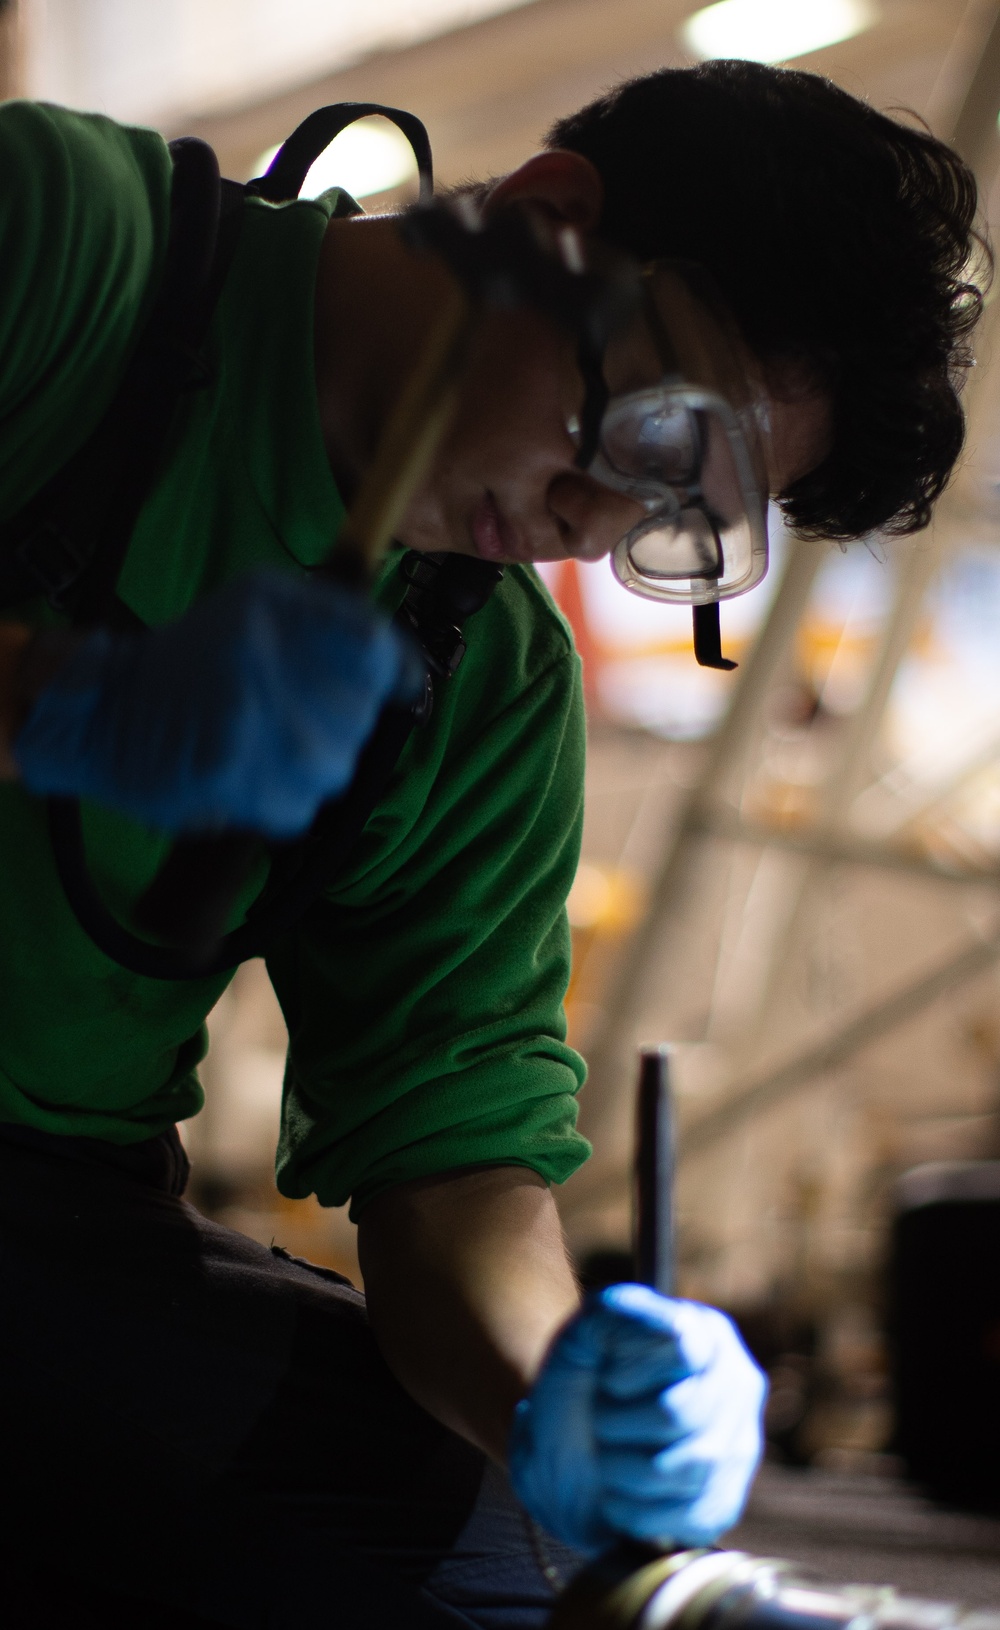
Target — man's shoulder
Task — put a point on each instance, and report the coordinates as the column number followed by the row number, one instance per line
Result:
column 84, row 217
column 516, row 638
column 530, row 599
column 522, row 622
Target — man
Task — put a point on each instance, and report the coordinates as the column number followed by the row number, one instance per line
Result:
column 198, row 1423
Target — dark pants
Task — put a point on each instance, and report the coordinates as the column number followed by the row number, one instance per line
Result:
column 195, row 1421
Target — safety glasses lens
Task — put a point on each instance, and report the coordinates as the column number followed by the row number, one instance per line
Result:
column 654, row 441
column 719, row 476
column 683, row 546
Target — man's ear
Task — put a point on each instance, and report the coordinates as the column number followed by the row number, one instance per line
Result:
column 565, row 185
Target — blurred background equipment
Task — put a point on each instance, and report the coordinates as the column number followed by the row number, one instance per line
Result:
column 945, row 1322
column 232, row 1142
column 793, row 870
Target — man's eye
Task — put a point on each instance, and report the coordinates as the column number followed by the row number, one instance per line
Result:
column 653, row 443
column 672, row 437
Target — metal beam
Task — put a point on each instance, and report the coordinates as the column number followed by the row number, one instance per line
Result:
column 12, row 49
column 726, row 768
column 934, row 800
column 621, row 1009
column 975, row 131
column 842, row 850
column 747, row 1099
column 953, row 76
column 976, row 134
column 734, row 742
column 851, row 767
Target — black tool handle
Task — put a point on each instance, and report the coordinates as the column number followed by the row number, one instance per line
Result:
column 654, row 1172
column 611, row 1592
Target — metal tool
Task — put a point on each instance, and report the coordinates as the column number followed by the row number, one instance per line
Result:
column 634, row 1588
column 653, row 1207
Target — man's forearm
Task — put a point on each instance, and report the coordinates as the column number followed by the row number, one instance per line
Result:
column 467, row 1279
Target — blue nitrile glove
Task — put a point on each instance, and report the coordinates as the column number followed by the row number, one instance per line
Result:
column 248, row 711
column 645, row 1423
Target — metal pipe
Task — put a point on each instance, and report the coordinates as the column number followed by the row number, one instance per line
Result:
column 716, row 1590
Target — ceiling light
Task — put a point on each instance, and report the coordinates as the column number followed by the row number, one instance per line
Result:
column 774, row 30
column 368, row 157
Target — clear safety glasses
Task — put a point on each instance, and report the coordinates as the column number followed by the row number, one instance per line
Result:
column 689, row 449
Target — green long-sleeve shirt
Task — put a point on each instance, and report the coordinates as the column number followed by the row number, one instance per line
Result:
column 423, row 994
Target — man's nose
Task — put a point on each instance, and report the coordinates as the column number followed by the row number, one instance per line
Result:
column 591, row 519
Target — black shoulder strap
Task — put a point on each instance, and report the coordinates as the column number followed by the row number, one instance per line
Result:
column 291, row 164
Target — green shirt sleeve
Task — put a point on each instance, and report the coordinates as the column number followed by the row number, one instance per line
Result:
column 84, row 218
column 424, row 995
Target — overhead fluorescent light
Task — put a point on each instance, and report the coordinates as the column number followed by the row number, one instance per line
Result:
column 368, row 157
column 774, row 30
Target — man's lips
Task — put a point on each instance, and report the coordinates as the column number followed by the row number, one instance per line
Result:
column 492, row 534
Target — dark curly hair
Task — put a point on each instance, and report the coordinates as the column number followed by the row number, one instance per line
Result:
column 842, row 241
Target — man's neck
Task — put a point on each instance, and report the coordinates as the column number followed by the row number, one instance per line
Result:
column 375, row 300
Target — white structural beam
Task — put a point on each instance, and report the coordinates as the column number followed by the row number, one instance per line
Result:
column 12, row 49
column 746, row 1099
column 616, row 1034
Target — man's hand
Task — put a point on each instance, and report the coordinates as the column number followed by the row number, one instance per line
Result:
column 642, row 1415
column 644, row 1423
column 249, row 711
